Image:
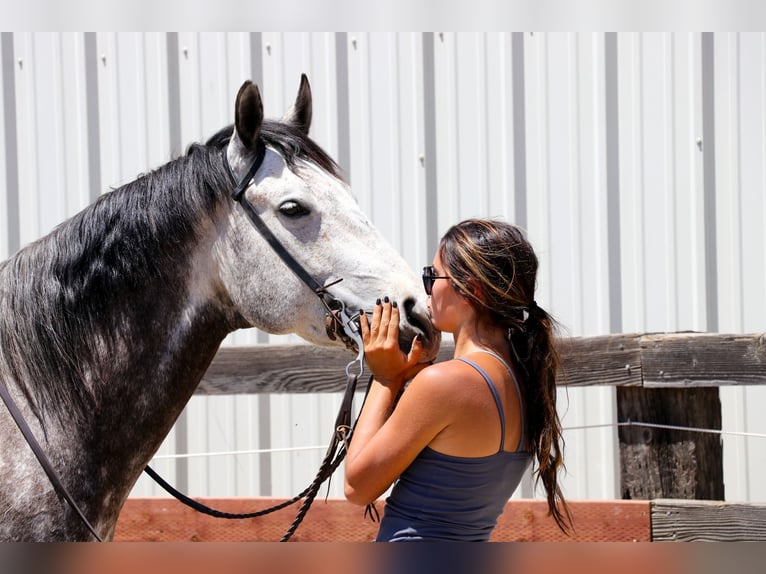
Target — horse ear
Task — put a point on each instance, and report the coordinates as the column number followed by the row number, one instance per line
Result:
column 299, row 113
column 248, row 114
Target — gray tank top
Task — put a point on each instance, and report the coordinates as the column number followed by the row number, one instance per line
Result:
column 444, row 497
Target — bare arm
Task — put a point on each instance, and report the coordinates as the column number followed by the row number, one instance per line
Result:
column 385, row 440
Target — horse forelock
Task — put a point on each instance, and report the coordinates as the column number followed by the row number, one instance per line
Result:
column 64, row 297
column 289, row 141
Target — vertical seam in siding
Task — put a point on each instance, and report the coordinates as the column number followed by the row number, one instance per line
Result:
column 256, row 58
column 342, row 98
column 92, row 113
column 519, row 130
column 708, row 180
column 612, row 123
column 174, row 94
column 10, row 143
column 429, row 126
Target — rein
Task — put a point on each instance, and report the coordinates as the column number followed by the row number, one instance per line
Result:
column 18, row 418
column 339, row 323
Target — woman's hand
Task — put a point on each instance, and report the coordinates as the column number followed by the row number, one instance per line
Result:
column 389, row 364
column 384, row 443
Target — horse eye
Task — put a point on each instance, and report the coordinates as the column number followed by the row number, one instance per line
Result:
column 293, row 209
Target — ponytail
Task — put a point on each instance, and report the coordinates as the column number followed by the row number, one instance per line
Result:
column 535, row 351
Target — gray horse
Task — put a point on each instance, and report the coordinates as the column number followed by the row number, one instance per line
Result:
column 108, row 324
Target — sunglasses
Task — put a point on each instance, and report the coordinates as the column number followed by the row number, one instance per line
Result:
column 429, row 276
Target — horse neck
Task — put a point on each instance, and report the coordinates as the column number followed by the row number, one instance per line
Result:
column 119, row 374
column 166, row 344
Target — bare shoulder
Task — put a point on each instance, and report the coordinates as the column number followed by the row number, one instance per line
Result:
column 442, row 378
column 435, row 397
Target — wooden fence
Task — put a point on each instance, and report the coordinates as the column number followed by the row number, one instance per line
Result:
column 677, row 362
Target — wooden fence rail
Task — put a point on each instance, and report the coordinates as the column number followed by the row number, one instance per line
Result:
column 674, row 360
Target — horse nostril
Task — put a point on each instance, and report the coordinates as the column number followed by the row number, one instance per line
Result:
column 417, row 321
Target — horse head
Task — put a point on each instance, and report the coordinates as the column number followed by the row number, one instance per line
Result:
column 299, row 194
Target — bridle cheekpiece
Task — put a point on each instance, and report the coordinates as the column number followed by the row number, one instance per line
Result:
column 339, row 323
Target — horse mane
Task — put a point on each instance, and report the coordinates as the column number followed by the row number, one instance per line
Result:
column 64, row 299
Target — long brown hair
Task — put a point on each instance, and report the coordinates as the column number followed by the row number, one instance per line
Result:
column 495, row 267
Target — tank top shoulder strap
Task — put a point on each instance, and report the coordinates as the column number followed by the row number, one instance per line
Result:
column 496, row 396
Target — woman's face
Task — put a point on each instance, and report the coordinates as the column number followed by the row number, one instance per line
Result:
column 445, row 303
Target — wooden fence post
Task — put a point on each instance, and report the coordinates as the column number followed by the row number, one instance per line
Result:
column 661, row 463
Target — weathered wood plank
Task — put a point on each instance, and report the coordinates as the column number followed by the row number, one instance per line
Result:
column 283, row 369
column 697, row 521
column 602, row 360
column 275, row 369
column 336, row 520
column 684, row 359
column 664, row 463
column 703, row 359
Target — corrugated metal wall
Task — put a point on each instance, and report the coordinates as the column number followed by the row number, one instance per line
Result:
column 636, row 162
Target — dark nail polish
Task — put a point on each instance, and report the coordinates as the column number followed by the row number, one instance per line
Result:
column 394, row 304
column 378, row 301
column 386, row 299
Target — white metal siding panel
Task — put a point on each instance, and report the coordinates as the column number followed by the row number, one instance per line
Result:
column 589, row 312
column 500, row 149
column 736, row 451
column 567, row 226
column 661, row 195
column 74, row 114
column 689, row 297
column 286, row 57
column 740, row 61
column 448, row 114
column 40, row 100
column 124, row 119
column 384, row 130
column 474, row 126
column 409, row 187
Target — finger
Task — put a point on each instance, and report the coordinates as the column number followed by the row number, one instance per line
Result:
column 364, row 325
column 416, row 351
column 376, row 313
column 393, row 326
column 385, row 319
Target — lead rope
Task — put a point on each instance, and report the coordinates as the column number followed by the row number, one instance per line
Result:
column 336, row 452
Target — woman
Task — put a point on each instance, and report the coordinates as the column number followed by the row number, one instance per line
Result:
column 464, row 432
